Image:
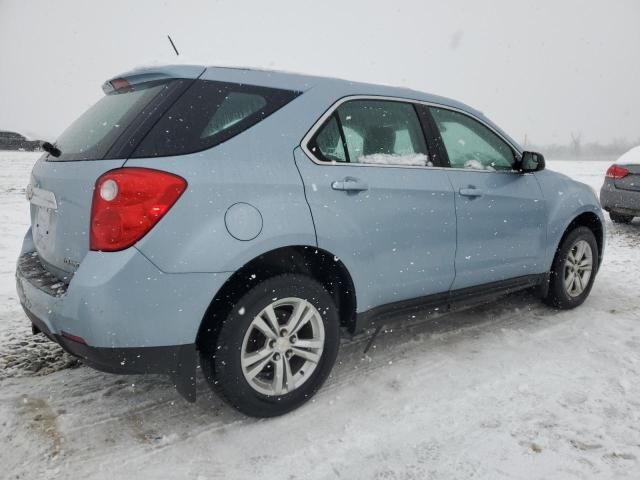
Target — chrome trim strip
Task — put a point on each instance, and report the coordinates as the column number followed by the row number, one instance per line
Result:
column 312, row 131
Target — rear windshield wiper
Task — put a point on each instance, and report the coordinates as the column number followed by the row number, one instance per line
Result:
column 51, row 149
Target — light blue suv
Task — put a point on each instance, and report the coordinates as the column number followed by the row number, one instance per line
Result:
column 240, row 218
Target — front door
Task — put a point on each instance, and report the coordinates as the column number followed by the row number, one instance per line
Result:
column 500, row 212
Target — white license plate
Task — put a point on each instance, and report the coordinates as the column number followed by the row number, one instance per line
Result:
column 44, row 224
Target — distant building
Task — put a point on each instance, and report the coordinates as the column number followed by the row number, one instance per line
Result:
column 15, row 141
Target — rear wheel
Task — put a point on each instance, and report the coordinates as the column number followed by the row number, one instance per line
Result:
column 276, row 347
column 574, row 269
column 620, row 218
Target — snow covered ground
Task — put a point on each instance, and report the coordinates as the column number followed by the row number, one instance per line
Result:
column 510, row 390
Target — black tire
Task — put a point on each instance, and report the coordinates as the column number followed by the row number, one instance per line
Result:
column 221, row 362
column 620, row 218
column 557, row 296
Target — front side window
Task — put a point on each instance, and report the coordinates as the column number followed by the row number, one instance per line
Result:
column 373, row 132
column 470, row 144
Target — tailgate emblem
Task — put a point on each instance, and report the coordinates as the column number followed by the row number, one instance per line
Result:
column 71, row 262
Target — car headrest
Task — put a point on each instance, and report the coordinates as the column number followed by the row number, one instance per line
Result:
column 379, row 140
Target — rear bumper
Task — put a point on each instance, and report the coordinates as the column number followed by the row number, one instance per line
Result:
column 119, row 312
column 615, row 200
column 164, row 360
column 119, row 300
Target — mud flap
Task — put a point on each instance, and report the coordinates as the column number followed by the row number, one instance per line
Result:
column 184, row 374
column 543, row 288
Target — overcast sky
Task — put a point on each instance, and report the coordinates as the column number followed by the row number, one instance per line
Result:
column 537, row 67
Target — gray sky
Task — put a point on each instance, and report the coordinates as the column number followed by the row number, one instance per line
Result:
column 537, row 67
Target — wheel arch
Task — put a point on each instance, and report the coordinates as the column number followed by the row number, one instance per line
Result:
column 587, row 219
column 593, row 223
column 319, row 264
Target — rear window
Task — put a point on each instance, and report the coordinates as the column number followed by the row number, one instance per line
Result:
column 209, row 113
column 92, row 135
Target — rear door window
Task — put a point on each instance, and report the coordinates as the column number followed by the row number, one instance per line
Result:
column 328, row 144
column 209, row 113
column 378, row 132
column 383, row 132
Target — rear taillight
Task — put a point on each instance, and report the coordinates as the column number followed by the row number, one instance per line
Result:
column 128, row 202
column 616, row 171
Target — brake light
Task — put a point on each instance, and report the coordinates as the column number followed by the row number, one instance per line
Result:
column 128, row 202
column 120, row 84
column 617, row 172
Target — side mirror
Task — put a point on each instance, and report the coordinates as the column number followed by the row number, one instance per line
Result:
column 531, row 162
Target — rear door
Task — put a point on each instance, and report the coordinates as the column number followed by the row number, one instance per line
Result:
column 377, row 203
column 501, row 220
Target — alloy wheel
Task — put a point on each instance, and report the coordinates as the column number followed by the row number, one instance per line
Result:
column 578, row 268
column 282, row 346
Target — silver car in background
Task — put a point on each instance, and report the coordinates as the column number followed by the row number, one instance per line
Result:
column 620, row 194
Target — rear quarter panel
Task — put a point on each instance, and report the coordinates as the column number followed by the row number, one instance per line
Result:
column 256, row 168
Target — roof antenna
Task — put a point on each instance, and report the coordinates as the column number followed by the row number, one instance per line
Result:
column 173, row 45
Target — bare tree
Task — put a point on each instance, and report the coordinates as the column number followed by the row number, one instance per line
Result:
column 576, row 143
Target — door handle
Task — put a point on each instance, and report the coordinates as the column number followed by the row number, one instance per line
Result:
column 471, row 192
column 349, row 184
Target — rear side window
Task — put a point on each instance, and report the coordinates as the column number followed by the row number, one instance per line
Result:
column 209, row 113
column 91, row 136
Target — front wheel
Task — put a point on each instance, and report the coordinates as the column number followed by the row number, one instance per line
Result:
column 574, row 269
column 276, row 347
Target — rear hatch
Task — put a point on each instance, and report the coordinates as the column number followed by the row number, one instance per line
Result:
column 61, row 187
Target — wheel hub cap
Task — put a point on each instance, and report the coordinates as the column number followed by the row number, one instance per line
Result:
column 282, row 344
